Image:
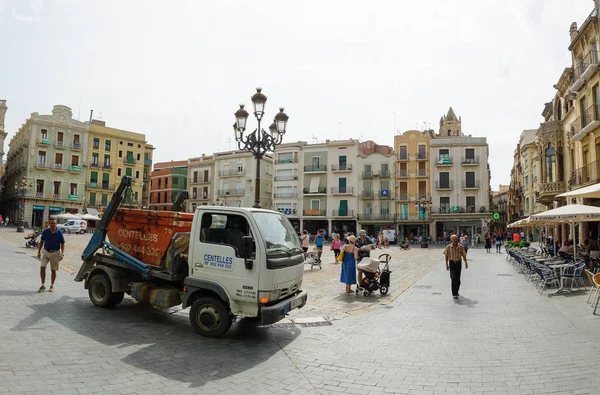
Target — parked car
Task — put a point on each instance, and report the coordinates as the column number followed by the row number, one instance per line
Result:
column 73, row 226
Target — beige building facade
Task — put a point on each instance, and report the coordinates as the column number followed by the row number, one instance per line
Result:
column 201, row 176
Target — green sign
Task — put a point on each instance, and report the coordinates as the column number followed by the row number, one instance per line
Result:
column 496, row 216
column 73, row 197
column 75, row 168
column 38, row 208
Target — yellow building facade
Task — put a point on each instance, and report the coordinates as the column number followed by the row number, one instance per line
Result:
column 413, row 185
column 112, row 154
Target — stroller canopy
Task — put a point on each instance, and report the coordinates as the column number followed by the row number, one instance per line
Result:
column 369, row 265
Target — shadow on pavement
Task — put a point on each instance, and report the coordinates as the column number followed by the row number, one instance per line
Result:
column 165, row 343
column 466, row 302
column 9, row 292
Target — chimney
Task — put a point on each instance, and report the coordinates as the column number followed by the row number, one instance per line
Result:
column 573, row 31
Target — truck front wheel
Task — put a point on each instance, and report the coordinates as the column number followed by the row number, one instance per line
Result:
column 210, row 317
column 100, row 292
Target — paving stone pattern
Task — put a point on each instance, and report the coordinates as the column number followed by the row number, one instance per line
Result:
column 502, row 337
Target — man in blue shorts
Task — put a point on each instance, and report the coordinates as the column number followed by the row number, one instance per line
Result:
column 52, row 249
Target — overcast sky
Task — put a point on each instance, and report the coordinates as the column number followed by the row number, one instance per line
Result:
column 177, row 70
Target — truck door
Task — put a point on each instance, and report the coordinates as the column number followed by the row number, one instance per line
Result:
column 217, row 257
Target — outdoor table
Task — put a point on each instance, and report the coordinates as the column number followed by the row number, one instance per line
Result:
column 561, row 267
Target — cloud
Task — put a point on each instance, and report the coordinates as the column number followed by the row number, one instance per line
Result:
column 36, row 6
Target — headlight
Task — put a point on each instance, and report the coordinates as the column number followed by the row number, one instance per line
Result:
column 275, row 294
column 265, row 297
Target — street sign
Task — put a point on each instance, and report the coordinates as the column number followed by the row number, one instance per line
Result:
column 384, row 192
column 496, row 216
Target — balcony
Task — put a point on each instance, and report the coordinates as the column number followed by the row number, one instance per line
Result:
column 103, row 186
column 44, row 141
column 420, row 197
column 342, row 213
column 471, row 161
column 232, row 173
column 315, row 169
column 376, row 217
column 341, row 167
column 319, row 191
column 284, row 195
column 368, row 194
column 384, row 174
column 454, row 210
column 94, row 165
column 314, row 213
column 107, row 166
column 58, row 167
column 231, row 192
column 403, row 157
column 444, row 161
column 405, row 217
column 75, row 169
column 403, row 197
column 384, row 194
column 585, row 70
column 282, row 161
column 421, row 173
column 585, row 175
column 129, row 161
column 76, row 146
column 470, row 185
column 444, row 186
column 147, row 162
column 59, row 144
column 585, row 123
column 403, row 173
column 421, row 156
column 286, row 178
column 546, row 191
column 200, row 181
column 369, row 174
column 42, row 165
column 342, row 190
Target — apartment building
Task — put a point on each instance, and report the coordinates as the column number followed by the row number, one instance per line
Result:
column 413, row 186
column 234, row 181
column 47, row 161
column 167, row 181
column 148, row 157
column 111, row 154
column 201, row 176
column 500, row 207
column 376, row 187
column 460, row 180
column 3, row 135
column 529, row 159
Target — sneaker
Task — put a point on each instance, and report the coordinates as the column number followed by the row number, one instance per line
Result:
column 51, row 288
column 42, row 289
column 455, row 297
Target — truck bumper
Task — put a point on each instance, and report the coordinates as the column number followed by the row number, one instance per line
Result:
column 272, row 314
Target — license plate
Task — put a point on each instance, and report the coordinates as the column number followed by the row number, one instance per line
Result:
column 295, row 303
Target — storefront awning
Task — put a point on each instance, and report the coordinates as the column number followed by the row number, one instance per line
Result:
column 93, row 212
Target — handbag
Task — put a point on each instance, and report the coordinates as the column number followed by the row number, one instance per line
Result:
column 340, row 256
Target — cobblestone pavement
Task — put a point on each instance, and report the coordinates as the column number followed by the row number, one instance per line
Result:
column 501, row 337
column 327, row 297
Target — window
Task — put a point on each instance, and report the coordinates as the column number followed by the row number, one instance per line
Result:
column 145, row 173
column 44, row 133
column 107, row 161
column 95, row 160
column 159, row 183
column 92, row 198
column 73, row 189
column 175, row 180
column 58, row 160
column 129, row 158
column 385, row 209
column 119, row 172
column 105, row 180
column 444, row 180
column 315, row 204
column 444, row 204
column 76, row 142
column 421, row 151
column 139, row 146
column 470, row 155
column 195, row 177
column 166, row 182
column 107, row 145
column 42, row 157
column 75, row 160
column 470, row 204
column 96, row 143
column 226, row 231
column 165, row 196
column 205, row 176
column 93, row 178
column 385, row 170
column 194, row 193
column 56, row 189
column 404, row 211
column 157, row 197
column 138, row 157
column 130, row 144
column 316, row 162
column 128, row 171
column 240, row 167
column 444, row 153
column 403, row 152
column 368, row 171
column 120, row 154
column 470, row 179
column 120, row 142
column 104, row 199
column 59, row 137
column 39, row 187
column 137, row 174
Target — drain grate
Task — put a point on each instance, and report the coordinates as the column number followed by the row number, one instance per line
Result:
column 436, row 293
column 20, row 252
column 314, row 324
column 504, row 275
column 422, row 286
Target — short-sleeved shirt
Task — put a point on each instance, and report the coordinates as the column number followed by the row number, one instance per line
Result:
column 52, row 241
column 455, row 254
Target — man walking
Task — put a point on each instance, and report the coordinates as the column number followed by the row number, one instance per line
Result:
column 454, row 253
column 53, row 244
column 320, row 238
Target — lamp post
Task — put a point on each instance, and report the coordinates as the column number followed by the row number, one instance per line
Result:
column 259, row 142
column 21, row 189
column 422, row 205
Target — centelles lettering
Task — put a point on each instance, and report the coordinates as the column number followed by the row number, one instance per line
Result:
column 217, row 258
column 136, row 234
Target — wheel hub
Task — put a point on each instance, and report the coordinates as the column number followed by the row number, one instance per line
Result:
column 209, row 318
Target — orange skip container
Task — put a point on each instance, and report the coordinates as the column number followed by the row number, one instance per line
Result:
column 146, row 234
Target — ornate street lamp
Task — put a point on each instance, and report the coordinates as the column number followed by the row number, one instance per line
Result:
column 259, row 142
column 422, row 206
column 21, row 189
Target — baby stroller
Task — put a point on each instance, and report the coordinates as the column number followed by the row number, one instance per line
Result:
column 373, row 278
column 405, row 246
column 32, row 239
column 312, row 258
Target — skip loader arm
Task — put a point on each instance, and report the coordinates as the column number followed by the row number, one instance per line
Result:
column 179, row 204
column 100, row 234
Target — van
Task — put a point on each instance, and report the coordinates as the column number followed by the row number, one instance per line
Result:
column 73, row 226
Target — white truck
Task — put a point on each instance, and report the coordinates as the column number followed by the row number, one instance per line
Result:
column 223, row 262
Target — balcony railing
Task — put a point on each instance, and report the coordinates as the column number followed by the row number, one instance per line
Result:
column 368, row 194
column 200, row 181
column 403, row 156
column 419, row 197
column 384, row 174
column 342, row 190
column 470, row 185
column 147, row 162
column 441, row 186
column 314, row 213
column 369, row 174
column 233, row 192
column 403, row 173
column 421, row 156
column 286, row 178
column 342, row 167
column 286, row 194
column 232, row 173
column 585, row 175
column 422, row 173
column 447, row 209
column 59, row 144
column 444, row 161
column 107, row 166
column 286, row 160
column 589, row 60
column 343, row 213
column 103, row 186
column 41, row 165
column 312, row 169
column 469, row 161
column 587, row 121
column 94, row 165
column 384, row 194
column 318, row 191
column 76, row 145
column 412, row 217
column 58, row 166
column 129, row 161
column 402, row 197
column 376, row 217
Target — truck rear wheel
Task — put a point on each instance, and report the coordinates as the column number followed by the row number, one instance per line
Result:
column 101, row 295
column 210, row 317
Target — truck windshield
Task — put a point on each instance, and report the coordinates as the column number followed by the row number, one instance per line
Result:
column 278, row 233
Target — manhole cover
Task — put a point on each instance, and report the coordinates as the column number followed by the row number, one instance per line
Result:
column 422, row 286
column 436, row 293
column 284, row 326
column 504, row 275
column 20, row 252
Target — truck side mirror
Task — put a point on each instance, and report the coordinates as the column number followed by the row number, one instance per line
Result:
column 248, row 244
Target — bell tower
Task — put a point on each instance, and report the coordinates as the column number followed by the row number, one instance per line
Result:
column 450, row 126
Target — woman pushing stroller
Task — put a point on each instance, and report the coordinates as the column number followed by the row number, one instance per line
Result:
column 354, row 252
